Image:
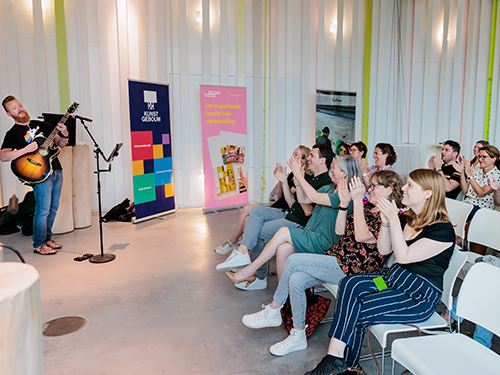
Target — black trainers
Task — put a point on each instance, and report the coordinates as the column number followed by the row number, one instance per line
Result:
column 329, row 365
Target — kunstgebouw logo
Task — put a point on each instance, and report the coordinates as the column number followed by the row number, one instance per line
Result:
column 150, row 115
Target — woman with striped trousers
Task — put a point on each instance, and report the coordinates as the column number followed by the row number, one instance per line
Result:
column 422, row 240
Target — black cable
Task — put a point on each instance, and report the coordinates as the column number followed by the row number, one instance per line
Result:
column 14, row 250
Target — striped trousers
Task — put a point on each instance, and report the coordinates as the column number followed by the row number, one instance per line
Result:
column 409, row 298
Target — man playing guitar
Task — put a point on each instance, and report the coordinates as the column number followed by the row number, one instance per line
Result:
column 20, row 140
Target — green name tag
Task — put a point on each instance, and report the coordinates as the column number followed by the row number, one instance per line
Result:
column 380, row 283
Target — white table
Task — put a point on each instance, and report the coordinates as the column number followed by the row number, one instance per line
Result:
column 21, row 350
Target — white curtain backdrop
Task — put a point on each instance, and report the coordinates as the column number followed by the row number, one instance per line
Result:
column 424, row 88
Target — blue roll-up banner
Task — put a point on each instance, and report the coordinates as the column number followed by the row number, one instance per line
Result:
column 151, row 143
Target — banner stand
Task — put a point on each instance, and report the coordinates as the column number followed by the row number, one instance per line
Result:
column 151, row 143
column 220, row 209
column 157, row 216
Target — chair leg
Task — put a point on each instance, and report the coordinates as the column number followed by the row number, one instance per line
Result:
column 382, row 368
column 393, row 365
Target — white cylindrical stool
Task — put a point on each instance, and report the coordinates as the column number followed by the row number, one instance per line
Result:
column 82, row 211
column 20, row 320
column 64, row 217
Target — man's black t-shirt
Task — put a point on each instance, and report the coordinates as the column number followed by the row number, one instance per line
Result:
column 452, row 174
column 20, row 135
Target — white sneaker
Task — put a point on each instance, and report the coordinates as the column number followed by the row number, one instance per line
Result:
column 296, row 341
column 234, row 261
column 264, row 318
column 258, row 284
column 226, row 248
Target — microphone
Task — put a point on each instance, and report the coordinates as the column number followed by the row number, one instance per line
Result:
column 82, row 118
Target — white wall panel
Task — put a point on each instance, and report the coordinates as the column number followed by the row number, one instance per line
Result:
column 421, row 91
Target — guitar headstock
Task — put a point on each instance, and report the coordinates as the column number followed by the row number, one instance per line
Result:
column 73, row 107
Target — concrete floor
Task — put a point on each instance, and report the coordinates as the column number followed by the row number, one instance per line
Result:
column 160, row 307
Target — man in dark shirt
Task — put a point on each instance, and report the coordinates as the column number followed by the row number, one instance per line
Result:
column 444, row 165
column 323, row 139
column 264, row 222
column 20, row 140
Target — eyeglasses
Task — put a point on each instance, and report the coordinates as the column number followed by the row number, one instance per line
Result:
column 373, row 186
column 482, row 157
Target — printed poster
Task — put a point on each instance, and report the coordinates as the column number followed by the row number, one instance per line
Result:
column 224, row 137
column 152, row 165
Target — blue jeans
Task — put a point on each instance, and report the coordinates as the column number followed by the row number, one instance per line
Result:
column 303, row 271
column 47, row 202
column 481, row 335
column 262, row 224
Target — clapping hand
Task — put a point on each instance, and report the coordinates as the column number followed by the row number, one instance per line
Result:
column 432, row 163
column 357, row 189
column 344, row 194
column 459, row 167
column 388, row 210
column 280, row 172
column 363, row 165
column 493, row 183
column 295, row 166
column 467, row 166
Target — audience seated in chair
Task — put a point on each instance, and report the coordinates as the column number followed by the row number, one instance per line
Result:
column 359, row 151
column 476, row 183
column 422, row 239
column 356, row 252
column 319, row 234
column 277, row 194
column 384, row 156
column 264, row 222
column 445, row 165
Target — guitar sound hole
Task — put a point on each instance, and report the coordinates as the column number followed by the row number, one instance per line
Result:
column 43, row 152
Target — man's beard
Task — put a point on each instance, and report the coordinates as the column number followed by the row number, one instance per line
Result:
column 22, row 117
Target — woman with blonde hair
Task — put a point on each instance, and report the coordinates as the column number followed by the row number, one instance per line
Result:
column 422, row 240
column 356, row 252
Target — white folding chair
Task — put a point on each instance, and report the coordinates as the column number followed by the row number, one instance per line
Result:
column 458, row 213
column 457, row 354
column 381, row 331
column 484, row 230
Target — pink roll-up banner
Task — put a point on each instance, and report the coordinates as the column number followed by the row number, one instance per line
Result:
column 224, row 137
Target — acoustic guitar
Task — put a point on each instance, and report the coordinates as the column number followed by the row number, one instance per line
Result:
column 36, row 167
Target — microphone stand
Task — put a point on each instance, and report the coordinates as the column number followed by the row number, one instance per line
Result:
column 102, row 258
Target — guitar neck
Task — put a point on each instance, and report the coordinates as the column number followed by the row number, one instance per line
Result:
column 50, row 139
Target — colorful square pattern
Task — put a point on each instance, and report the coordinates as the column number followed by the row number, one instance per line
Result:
column 151, row 168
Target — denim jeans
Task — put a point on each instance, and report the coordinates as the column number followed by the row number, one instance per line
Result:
column 304, row 271
column 261, row 226
column 47, row 202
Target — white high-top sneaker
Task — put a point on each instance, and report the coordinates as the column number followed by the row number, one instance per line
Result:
column 264, row 318
column 295, row 341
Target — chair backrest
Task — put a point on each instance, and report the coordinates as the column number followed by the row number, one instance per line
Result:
column 458, row 213
column 457, row 261
column 391, row 259
column 479, row 299
column 484, row 228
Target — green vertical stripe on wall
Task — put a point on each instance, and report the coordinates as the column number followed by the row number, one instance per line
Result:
column 62, row 55
column 490, row 70
column 367, row 70
column 240, row 50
